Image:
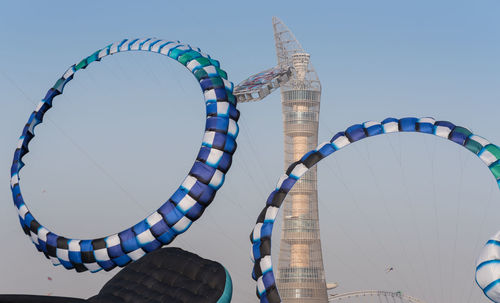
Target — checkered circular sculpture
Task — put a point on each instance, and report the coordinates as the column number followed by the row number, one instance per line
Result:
column 184, row 206
column 488, row 269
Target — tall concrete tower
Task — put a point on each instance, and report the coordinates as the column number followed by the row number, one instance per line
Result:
column 300, row 275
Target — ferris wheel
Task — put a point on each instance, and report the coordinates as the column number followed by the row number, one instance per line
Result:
column 369, row 295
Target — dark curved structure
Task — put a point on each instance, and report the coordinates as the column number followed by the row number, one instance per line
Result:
column 167, row 275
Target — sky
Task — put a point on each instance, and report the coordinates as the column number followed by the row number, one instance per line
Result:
column 126, row 131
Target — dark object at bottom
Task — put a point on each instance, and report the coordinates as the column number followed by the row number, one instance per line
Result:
column 168, row 275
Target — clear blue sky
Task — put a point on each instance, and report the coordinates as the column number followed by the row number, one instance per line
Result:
column 140, row 118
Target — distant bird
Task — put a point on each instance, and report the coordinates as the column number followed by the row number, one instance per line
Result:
column 389, row 269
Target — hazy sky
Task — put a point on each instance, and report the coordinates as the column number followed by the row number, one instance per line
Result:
column 126, row 131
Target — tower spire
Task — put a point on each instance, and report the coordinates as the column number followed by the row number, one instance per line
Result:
column 300, row 275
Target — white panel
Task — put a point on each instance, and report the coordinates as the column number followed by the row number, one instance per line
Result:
column 69, row 72
column 232, row 129
column 487, row 274
column 145, row 237
column 271, row 213
column 391, row 127
column 136, row 254
column 488, row 253
column 103, row 53
column 370, row 123
column 14, row 180
column 210, row 70
column 208, row 138
column 280, row 181
column 189, row 182
column 210, row 95
column 182, row 225
column 228, row 84
column 101, row 254
column 93, row 267
column 112, row 240
column 260, row 285
column 217, row 179
column 266, row 264
column 114, row 48
column 74, row 245
column 62, row 254
column 299, row 170
column 214, row 156
column 186, row 203
column 256, row 231
column 42, row 234
column 427, row 120
column 156, row 47
column 146, row 45
column 125, row 45
column 166, row 49
column 487, row 157
column 480, row 140
column 40, row 104
column 494, row 293
column 154, row 218
column 135, row 45
column 443, row 131
column 223, row 108
column 193, row 64
column 23, row 210
column 340, row 142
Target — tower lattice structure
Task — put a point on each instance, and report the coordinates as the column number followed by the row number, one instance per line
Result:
column 300, row 275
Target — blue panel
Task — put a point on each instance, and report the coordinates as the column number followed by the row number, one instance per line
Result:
column 221, row 93
column 266, row 230
column 122, row 260
column 128, row 240
column 426, row 128
column 355, row 133
column 256, row 250
column 75, row 257
column 173, row 216
column 326, row 150
column 151, row 246
column 389, row 120
column 225, row 162
column 230, row 145
column 85, row 245
column 268, row 279
column 408, row 124
column 288, row 184
column 140, row 227
column 338, row 135
column 178, row 196
column 115, row 251
column 374, row 130
column 107, row 265
column 202, row 172
column 195, row 211
column 447, row 124
column 66, row 264
column 167, row 237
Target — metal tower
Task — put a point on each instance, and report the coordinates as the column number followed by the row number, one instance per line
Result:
column 300, row 275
